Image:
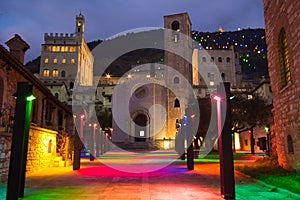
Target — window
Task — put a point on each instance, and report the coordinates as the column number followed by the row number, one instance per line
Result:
column 72, row 49
column 46, row 73
column 63, row 73
column 55, row 73
column 223, row 76
column 64, row 49
column 220, row 59
column 56, row 95
column 55, row 60
column 72, row 60
column 212, row 59
column 63, row 61
column 228, row 60
column 203, row 59
column 56, row 48
column 176, row 80
column 283, row 55
column 175, row 28
column 290, row 144
column 46, row 60
column 176, row 103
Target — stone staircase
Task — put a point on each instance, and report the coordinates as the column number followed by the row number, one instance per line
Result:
column 59, row 162
column 137, row 146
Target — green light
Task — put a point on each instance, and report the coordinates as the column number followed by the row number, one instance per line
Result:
column 30, row 98
column 267, row 128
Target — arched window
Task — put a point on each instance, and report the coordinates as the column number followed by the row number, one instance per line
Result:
column 203, row 59
column 56, row 95
column 175, row 26
column 283, row 55
column 290, row 144
column 223, row 76
column 176, row 103
column 228, row 60
column 220, row 59
column 63, row 74
column 176, row 80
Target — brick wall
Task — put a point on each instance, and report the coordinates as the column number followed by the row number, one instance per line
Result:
column 285, row 14
column 41, row 149
column 5, row 145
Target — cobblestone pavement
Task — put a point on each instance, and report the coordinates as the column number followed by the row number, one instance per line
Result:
column 174, row 182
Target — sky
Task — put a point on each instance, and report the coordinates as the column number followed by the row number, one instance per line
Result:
column 105, row 18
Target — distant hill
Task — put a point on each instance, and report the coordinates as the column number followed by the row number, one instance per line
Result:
column 250, row 43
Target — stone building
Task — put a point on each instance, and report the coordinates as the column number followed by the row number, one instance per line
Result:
column 66, row 58
column 51, row 121
column 227, row 68
column 282, row 21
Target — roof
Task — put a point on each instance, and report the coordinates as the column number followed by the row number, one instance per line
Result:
column 21, row 69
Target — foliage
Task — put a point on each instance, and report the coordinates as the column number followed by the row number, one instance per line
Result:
column 249, row 113
column 104, row 117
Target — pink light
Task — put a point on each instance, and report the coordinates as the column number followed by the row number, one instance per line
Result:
column 82, row 116
column 217, row 98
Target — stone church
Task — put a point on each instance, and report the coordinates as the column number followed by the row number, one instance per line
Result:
column 282, row 21
column 160, row 100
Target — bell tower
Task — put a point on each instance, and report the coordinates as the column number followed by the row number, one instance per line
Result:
column 80, row 24
column 178, row 57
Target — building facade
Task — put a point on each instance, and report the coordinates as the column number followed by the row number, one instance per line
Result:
column 282, row 21
column 66, row 58
column 51, row 121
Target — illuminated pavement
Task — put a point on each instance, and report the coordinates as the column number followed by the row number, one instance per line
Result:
column 174, row 182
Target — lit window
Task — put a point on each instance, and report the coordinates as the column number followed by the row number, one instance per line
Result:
column 56, row 48
column 46, row 60
column 55, row 73
column 283, row 55
column 72, row 49
column 55, row 60
column 72, row 60
column 63, row 60
column 64, row 49
column 46, row 73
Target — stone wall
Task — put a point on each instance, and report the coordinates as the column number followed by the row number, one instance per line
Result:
column 5, row 146
column 41, row 149
column 286, row 101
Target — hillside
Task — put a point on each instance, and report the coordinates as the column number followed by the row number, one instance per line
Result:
column 250, row 43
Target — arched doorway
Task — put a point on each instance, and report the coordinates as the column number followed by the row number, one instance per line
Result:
column 140, row 127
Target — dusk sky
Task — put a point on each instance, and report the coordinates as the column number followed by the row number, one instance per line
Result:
column 105, row 18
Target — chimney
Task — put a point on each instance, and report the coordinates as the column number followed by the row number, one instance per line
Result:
column 17, row 47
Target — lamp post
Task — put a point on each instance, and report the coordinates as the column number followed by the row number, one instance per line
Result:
column 19, row 147
column 225, row 143
column 78, row 143
column 92, row 142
